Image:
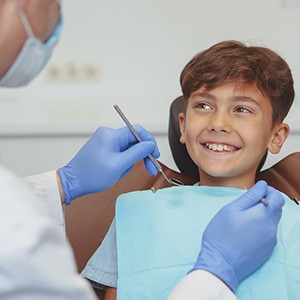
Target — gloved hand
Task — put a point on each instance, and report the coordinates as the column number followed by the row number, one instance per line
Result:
column 106, row 157
column 242, row 235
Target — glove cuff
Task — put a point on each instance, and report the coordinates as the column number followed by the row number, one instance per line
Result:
column 69, row 183
column 214, row 262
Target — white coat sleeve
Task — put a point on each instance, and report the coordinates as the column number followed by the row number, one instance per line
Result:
column 36, row 261
column 45, row 187
column 201, row 285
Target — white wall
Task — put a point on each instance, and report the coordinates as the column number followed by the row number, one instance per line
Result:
column 131, row 53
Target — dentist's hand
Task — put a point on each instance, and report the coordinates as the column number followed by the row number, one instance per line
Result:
column 106, row 157
column 242, row 235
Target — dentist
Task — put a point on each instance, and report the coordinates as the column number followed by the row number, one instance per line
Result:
column 36, row 261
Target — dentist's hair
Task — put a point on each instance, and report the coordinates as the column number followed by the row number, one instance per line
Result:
column 235, row 62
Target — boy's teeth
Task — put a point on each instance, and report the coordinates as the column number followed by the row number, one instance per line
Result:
column 219, row 147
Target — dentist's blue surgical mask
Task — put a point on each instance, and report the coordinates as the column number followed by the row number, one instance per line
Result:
column 32, row 58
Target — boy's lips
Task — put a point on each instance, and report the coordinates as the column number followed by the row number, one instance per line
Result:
column 219, row 147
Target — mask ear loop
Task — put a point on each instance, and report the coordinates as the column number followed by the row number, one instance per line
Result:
column 25, row 22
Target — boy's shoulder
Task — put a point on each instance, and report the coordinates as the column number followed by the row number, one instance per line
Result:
column 290, row 220
column 290, row 205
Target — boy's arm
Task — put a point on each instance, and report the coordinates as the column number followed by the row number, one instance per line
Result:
column 101, row 270
column 110, row 293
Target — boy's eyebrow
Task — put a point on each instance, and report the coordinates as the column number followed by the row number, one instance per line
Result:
column 245, row 99
column 204, row 95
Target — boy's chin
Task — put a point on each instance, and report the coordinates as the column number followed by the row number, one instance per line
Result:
column 230, row 179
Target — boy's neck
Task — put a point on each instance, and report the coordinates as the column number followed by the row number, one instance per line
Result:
column 242, row 182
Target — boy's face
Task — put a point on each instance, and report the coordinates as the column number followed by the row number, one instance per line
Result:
column 227, row 130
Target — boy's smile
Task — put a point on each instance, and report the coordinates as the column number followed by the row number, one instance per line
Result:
column 227, row 130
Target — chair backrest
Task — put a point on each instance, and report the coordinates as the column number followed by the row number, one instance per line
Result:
column 284, row 176
column 180, row 155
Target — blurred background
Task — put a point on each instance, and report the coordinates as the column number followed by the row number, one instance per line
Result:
column 131, row 53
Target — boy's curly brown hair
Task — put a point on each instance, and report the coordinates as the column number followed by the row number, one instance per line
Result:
column 233, row 61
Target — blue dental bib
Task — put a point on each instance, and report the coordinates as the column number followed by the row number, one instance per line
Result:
column 159, row 237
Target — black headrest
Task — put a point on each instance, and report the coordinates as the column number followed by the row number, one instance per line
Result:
column 181, row 157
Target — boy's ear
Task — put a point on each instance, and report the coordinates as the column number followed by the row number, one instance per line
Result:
column 181, row 119
column 280, row 134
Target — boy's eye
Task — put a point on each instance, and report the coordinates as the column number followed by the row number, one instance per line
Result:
column 202, row 105
column 242, row 109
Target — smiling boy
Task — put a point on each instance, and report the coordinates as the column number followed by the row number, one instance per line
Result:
column 227, row 131
column 237, row 97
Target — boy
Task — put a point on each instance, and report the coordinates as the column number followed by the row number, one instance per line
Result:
column 237, row 98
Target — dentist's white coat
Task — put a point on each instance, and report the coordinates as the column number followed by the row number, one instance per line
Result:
column 36, row 262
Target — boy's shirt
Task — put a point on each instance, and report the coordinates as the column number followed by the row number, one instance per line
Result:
column 159, row 237
column 102, row 267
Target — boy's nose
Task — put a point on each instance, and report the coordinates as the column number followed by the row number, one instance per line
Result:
column 220, row 122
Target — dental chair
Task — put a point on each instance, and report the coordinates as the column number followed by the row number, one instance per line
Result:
column 88, row 218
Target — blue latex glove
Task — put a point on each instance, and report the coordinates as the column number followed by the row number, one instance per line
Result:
column 106, row 157
column 242, row 235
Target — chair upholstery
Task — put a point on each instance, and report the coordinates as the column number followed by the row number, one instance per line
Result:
column 284, row 176
column 180, row 155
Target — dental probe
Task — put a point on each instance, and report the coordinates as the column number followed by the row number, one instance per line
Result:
column 152, row 158
column 264, row 201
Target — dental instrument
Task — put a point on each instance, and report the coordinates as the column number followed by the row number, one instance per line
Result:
column 152, row 158
column 264, row 201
